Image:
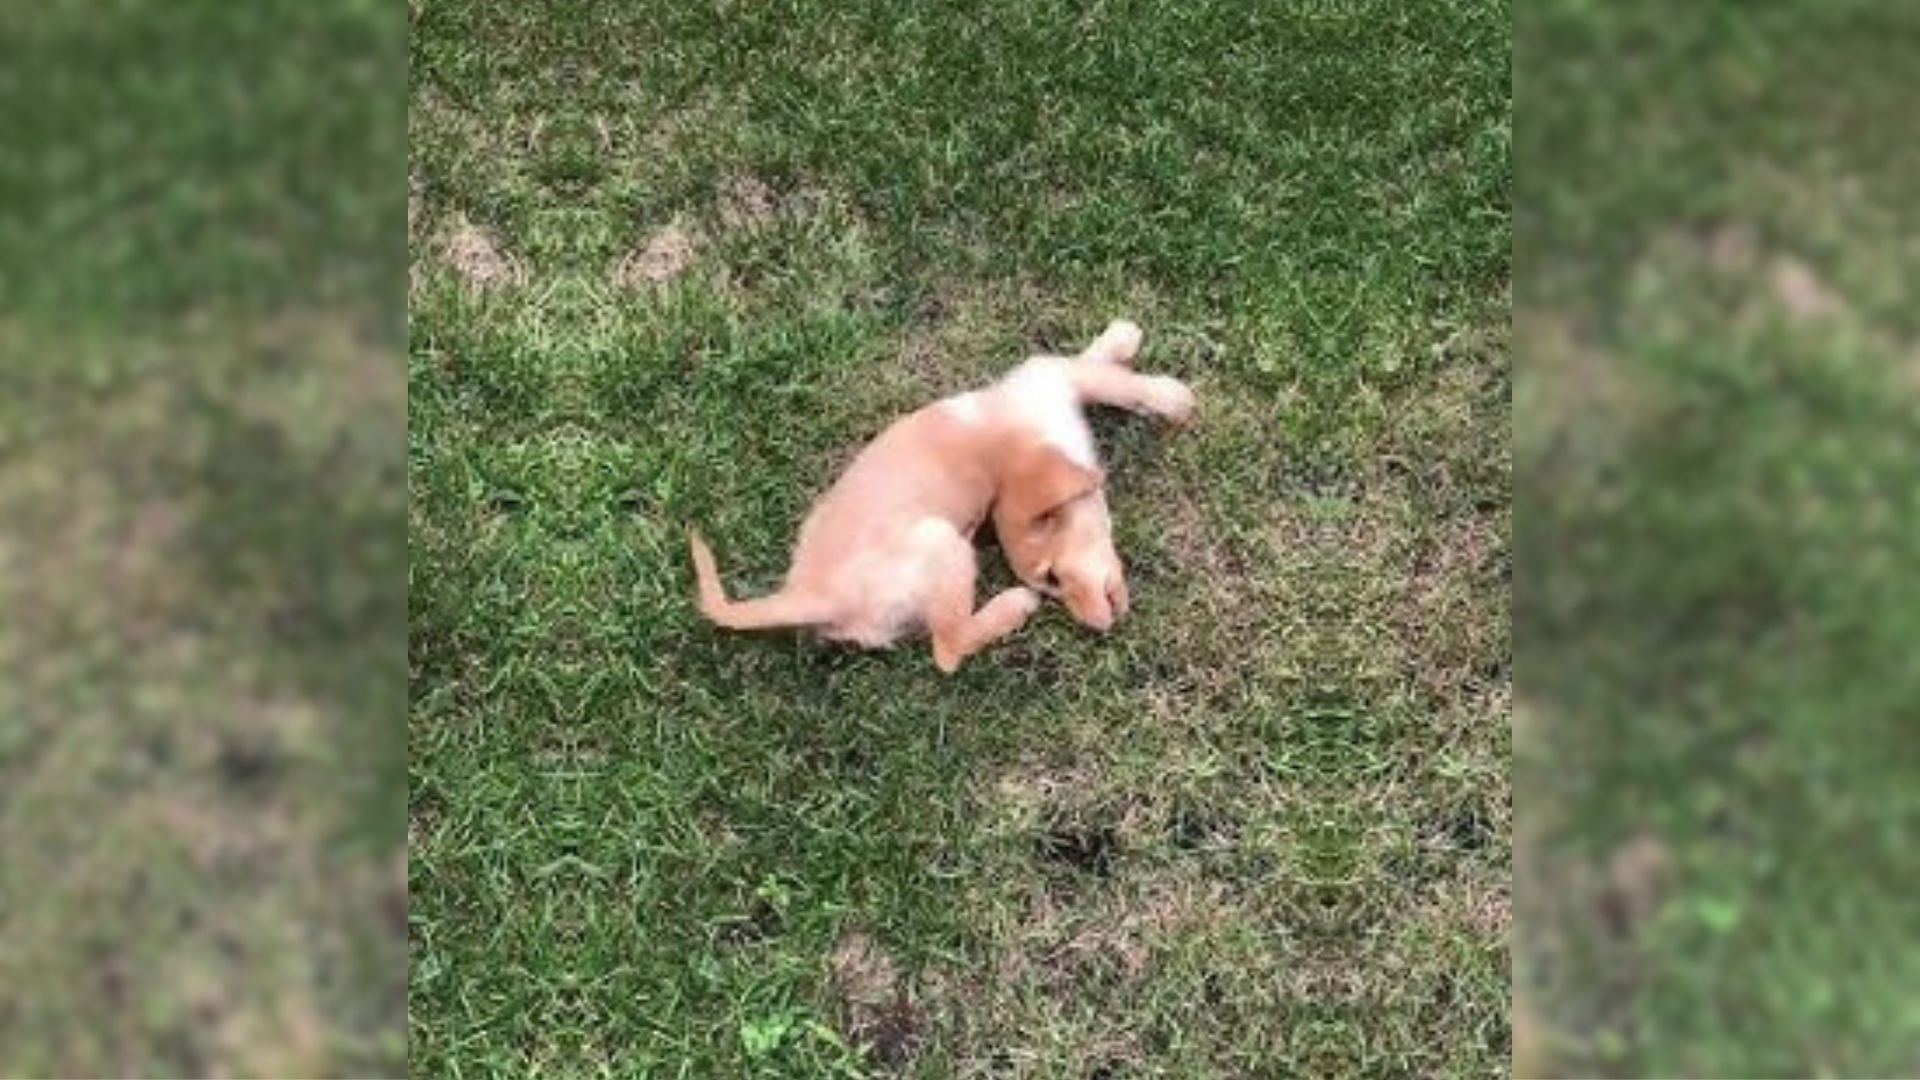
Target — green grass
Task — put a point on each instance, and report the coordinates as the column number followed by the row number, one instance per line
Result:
column 201, row 500
column 1717, row 430
column 1263, row 829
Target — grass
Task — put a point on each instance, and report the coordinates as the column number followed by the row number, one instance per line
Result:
column 1717, row 432
column 673, row 263
column 200, row 509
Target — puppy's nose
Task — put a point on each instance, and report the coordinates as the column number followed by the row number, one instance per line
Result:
column 1117, row 595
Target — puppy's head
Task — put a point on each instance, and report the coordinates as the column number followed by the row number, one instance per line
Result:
column 1054, row 528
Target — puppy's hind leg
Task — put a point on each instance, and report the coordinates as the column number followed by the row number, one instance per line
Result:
column 1119, row 343
column 958, row 630
column 957, row 637
column 1119, row 386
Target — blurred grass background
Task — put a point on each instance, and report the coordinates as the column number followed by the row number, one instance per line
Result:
column 1717, row 428
column 202, row 509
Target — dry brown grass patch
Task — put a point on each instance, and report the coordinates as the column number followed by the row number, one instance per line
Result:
column 1483, row 907
column 876, row 1010
column 1088, row 912
column 477, row 257
column 1198, row 541
column 666, row 255
column 746, row 202
column 1124, row 933
column 1635, row 883
column 1064, row 969
column 1444, row 612
column 1226, row 599
column 1732, row 261
column 1801, row 292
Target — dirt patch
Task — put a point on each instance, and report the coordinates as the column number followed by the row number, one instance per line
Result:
column 1733, row 260
column 1026, row 794
column 1636, row 882
column 1800, row 292
column 666, row 255
column 1091, row 915
column 746, row 203
column 1734, row 247
column 1578, row 906
column 476, row 255
column 876, row 1011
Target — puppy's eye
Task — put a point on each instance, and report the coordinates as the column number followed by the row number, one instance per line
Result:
column 1051, row 579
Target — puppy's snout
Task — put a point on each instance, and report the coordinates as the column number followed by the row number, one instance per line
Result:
column 1087, row 600
column 1103, row 605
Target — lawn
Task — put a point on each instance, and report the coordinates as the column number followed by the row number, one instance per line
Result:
column 201, row 504
column 673, row 263
column 1717, row 429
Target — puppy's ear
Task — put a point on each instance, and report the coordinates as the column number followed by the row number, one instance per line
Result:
column 1040, row 481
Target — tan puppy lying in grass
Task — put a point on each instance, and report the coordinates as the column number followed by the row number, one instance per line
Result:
column 888, row 550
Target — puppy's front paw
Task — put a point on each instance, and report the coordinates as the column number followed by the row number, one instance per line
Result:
column 1169, row 399
column 1022, row 602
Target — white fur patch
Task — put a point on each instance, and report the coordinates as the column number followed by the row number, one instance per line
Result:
column 1042, row 398
column 929, row 532
column 964, row 408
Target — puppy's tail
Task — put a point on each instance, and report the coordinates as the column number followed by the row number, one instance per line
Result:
column 781, row 609
column 1119, row 343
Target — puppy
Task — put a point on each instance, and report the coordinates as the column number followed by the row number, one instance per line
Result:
column 888, row 550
